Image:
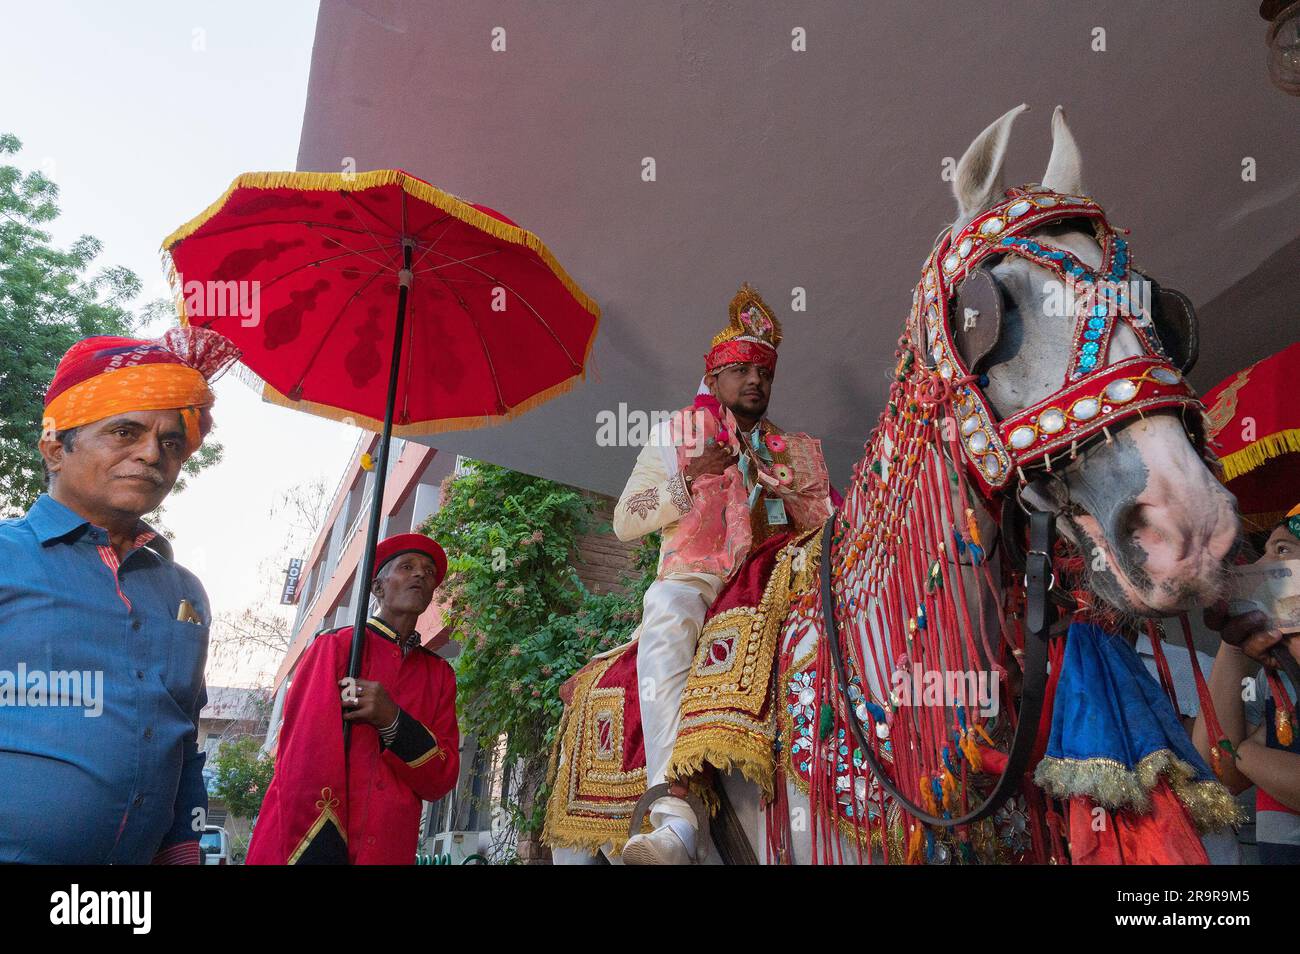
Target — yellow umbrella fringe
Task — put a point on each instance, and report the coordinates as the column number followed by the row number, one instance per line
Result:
column 1258, row 453
column 356, row 182
column 269, row 394
column 423, row 428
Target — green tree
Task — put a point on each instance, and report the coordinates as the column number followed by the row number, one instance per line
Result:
column 49, row 299
column 243, row 774
column 524, row 618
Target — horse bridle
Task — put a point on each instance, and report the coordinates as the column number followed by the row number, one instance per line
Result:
column 1094, row 396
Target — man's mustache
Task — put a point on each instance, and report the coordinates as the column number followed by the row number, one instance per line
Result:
column 153, row 477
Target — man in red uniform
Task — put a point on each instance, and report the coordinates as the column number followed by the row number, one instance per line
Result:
column 405, row 743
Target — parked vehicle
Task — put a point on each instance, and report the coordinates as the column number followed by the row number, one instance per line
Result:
column 214, row 846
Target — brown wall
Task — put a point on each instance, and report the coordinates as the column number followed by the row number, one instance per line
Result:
column 602, row 559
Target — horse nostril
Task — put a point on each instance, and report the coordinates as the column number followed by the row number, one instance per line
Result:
column 1133, row 519
column 1138, row 534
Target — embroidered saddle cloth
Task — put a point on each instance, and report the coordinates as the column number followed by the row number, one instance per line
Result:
column 598, row 769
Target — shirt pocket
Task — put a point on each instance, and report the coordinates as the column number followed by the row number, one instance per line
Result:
column 187, row 655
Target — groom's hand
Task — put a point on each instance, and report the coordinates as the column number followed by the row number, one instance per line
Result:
column 712, row 459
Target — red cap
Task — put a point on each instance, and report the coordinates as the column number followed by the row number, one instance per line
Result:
column 411, row 543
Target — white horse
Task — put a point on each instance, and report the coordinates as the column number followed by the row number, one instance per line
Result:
column 1143, row 501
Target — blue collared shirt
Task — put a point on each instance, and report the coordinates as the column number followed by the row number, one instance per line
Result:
column 111, row 774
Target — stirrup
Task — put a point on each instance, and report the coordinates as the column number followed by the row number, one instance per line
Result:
column 656, row 792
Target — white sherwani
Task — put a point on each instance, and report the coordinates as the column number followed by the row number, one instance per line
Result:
column 675, row 604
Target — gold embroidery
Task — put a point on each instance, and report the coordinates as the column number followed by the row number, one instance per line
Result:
column 592, row 797
column 728, row 716
column 436, row 750
column 748, row 300
column 326, row 803
column 1114, row 786
column 1225, row 405
column 728, row 711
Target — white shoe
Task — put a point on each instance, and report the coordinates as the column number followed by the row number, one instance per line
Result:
column 659, row 847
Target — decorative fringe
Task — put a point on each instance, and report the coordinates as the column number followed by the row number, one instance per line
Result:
column 690, row 759
column 970, row 748
column 416, row 188
column 564, row 835
column 561, row 830
column 555, row 833
column 248, row 377
column 1256, row 454
column 916, row 845
column 747, row 747
column 582, row 840
column 1115, row 787
column 928, row 801
column 424, row 428
column 949, row 784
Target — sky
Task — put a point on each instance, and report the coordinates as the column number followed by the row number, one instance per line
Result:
column 143, row 113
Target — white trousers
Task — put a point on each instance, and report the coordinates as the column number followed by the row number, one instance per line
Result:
column 671, row 619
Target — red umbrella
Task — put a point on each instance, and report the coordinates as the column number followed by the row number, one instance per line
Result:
column 377, row 298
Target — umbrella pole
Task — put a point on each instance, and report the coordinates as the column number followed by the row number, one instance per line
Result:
column 381, row 473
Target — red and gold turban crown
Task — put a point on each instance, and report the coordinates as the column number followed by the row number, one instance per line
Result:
column 751, row 336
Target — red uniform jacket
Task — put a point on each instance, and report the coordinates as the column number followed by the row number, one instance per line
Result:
column 310, row 816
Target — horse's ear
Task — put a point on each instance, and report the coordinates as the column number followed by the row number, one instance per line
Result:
column 1065, row 167
column 978, row 181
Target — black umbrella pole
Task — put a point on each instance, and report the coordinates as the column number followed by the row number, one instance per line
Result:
column 381, row 473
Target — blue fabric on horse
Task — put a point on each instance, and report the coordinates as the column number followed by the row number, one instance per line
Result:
column 1115, row 734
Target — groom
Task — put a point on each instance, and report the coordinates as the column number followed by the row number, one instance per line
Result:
column 717, row 483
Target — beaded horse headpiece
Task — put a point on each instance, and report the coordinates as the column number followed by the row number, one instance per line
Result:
column 751, row 336
column 1093, row 394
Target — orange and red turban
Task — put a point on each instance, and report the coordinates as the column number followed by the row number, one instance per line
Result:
column 106, row 375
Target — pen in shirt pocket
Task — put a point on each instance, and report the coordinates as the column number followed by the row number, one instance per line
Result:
column 185, row 613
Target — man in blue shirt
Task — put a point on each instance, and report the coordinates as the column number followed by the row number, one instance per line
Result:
column 103, row 638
